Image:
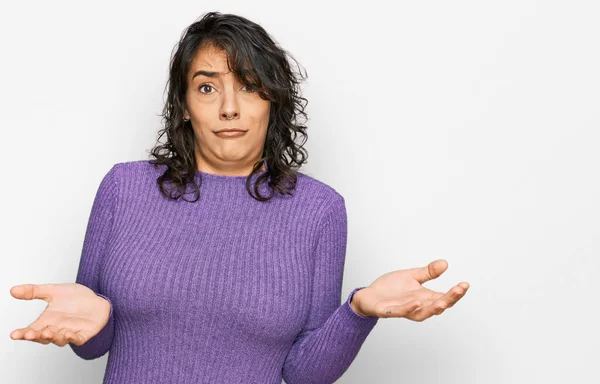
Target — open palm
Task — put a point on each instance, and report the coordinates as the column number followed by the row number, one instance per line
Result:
column 74, row 313
column 401, row 294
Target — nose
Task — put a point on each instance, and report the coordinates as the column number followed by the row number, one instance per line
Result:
column 230, row 107
column 229, row 116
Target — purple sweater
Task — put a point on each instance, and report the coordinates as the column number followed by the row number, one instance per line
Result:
column 226, row 289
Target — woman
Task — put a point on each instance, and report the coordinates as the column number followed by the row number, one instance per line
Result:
column 217, row 261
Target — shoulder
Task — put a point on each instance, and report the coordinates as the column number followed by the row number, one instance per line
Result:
column 324, row 197
column 131, row 172
column 137, row 168
column 318, row 188
column 326, row 208
column 136, row 175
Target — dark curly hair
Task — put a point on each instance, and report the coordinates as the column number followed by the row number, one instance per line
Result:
column 258, row 62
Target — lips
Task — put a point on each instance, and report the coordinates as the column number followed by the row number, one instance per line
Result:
column 230, row 133
column 230, row 130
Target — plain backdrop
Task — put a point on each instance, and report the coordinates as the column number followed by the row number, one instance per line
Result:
column 462, row 130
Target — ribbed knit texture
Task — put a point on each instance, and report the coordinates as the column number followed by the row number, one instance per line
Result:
column 226, row 289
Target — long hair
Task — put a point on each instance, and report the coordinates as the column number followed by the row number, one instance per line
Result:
column 258, row 62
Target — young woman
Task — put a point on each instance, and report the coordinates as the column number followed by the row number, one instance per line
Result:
column 218, row 261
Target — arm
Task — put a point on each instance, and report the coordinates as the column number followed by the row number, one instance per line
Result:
column 333, row 334
column 94, row 247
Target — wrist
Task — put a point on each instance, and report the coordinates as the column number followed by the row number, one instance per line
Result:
column 355, row 302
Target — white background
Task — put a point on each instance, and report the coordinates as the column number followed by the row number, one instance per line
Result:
column 462, row 130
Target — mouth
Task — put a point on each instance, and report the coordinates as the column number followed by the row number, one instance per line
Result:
column 230, row 133
column 230, row 130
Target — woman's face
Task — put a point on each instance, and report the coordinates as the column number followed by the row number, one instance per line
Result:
column 213, row 93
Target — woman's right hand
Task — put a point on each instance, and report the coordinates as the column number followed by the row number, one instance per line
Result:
column 74, row 313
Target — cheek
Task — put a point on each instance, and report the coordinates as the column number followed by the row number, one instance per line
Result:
column 204, row 120
column 261, row 118
column 202, row 130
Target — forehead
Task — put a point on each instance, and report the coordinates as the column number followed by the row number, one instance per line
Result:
column 210, row 56
column 210, row 59
column 211, row 62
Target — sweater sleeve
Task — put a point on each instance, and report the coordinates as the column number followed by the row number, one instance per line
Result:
column 99, row 225
column 333, row 333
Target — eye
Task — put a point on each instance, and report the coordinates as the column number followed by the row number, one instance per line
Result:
column 203, row 86
column 249, row 88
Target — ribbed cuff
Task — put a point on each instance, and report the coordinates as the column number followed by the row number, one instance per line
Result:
column 100, row 343
column 366, row 322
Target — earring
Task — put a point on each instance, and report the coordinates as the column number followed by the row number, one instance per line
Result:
column 186, row 120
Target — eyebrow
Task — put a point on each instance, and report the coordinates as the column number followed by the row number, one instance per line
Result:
column 207, row 74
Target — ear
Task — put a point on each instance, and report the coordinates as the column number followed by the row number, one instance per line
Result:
column 186, row 114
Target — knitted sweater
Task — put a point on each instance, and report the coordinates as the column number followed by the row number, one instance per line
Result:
column 226, row 289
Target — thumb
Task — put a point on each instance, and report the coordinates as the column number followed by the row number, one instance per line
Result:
column 32, row 291
column 431, row 271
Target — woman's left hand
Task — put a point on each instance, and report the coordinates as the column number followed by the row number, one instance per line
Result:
column 400, row 294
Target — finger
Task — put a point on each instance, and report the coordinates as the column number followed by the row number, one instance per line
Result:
column 50, row 333
column 427, row 311
column 461, row 287
column 31, row 335
column 401, row 310
column 32, row 332
column 59, row 338
column 464, row 285
column 452, row 296
column 432, row 271
column 31, row 291
column 77, row 338
column 46, row 335
column 19, row 334
column 74, row 338
column 440, row 305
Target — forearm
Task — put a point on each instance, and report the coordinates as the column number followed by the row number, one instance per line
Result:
column 322, row 355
